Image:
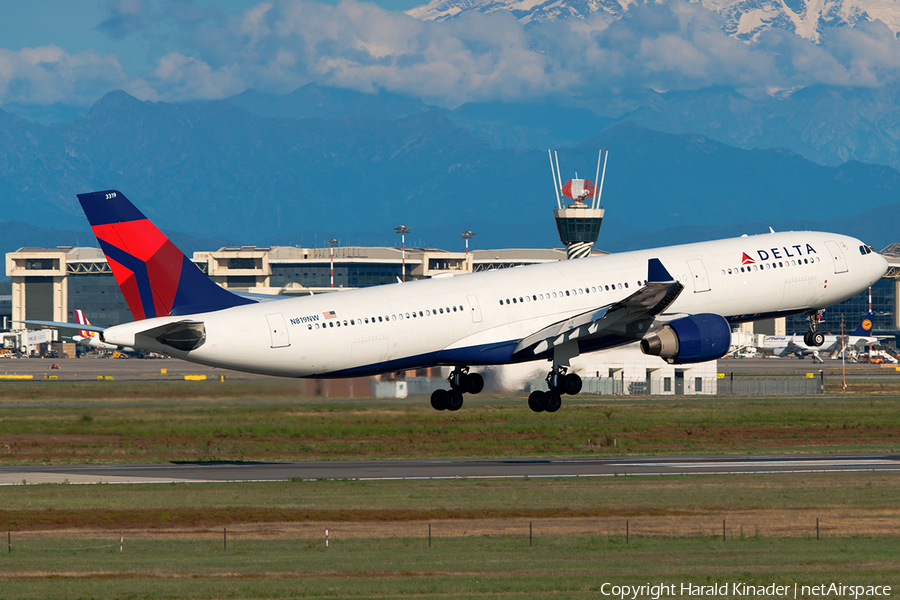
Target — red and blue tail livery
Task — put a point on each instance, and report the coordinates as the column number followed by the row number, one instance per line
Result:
column 155, row 277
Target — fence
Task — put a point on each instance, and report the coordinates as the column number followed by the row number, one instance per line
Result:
column 724, row 383
column 745, row 385
column 698, row 526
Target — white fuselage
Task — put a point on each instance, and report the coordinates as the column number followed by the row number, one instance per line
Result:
column 785, row 345
column 474, row 319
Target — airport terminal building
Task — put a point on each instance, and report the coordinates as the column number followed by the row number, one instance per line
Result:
column 49, row 284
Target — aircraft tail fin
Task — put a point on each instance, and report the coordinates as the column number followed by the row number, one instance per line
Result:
column 865, row 327
column 83, row 320
column 155, row 277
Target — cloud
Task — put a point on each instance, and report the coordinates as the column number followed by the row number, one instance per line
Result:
column 50, row 75
column 278, row 45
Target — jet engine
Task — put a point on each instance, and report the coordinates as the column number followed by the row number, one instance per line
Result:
column 693, row 339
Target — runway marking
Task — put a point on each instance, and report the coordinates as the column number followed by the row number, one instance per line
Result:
column 761, row 463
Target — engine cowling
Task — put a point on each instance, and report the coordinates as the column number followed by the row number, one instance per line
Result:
column 693, row 339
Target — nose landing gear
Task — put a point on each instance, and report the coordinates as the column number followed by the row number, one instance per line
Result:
column 812, row 337
column 461, row 382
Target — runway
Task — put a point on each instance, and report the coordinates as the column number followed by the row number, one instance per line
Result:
column 90, row 368
column 387, row 470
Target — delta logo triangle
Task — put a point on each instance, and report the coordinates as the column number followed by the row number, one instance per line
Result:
column 747, row 260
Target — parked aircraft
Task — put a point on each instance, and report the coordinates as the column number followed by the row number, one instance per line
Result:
column 786, row 345
column 91, row 339
column 677, row 302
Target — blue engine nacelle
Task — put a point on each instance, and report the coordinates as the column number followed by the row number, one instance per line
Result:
column 693, row 339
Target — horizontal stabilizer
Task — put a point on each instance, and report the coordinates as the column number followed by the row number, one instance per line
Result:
column 61, row 325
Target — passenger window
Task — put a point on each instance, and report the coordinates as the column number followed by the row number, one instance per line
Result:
column 310, row 327
column 393, row 317
column 626, row 285
column 428, row 312
column 420, row 314
column 514, row 300
column 379, row 319
column 317, row 325
column 331, row 324
column 520, row 300
column 442, row 311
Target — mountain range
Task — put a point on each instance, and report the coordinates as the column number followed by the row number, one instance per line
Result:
column 744, row 19
column 220, row 171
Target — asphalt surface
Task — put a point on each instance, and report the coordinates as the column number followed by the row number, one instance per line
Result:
column 120, row 369
column 449, row 469
column 134, row 369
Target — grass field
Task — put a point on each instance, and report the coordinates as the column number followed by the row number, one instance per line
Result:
column 65, row 538
column 559, row 567
column 157, row 422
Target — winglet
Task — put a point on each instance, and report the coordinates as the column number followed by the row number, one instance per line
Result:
column 656, row 272
column 155, row 277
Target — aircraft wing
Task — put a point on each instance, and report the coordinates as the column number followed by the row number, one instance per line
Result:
column 61, row 325
column 261, row 297
column 633, row 316
column 794, row 348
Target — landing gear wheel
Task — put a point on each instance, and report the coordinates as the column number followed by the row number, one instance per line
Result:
column 814, row 338
column 464, row 382
column 437, row 399
column 571, row 384
column 552, row 402
column 536, row 401
column 453, row 400
column 474, row 383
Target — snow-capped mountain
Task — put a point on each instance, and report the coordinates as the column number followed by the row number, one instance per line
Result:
column 744, row 19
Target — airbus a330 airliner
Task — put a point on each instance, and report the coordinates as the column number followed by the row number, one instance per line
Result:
column 678, row 302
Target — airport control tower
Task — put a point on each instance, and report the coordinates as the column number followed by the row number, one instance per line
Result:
column 578, row 222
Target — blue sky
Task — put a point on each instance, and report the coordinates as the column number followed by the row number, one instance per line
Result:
column 55, row 52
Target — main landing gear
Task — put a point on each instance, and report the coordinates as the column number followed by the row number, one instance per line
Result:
column 559, row 383
column 812, row 337
column 461, row 382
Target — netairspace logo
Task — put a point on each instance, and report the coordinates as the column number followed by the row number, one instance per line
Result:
column 741, row 590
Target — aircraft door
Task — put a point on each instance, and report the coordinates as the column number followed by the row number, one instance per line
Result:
column 474, row 308
column 840, row 263
column 279, row 331
column 698, row 272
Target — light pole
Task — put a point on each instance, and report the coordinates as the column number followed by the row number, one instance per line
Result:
column 403, row 230
column 332, row 242
column 467, row 235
